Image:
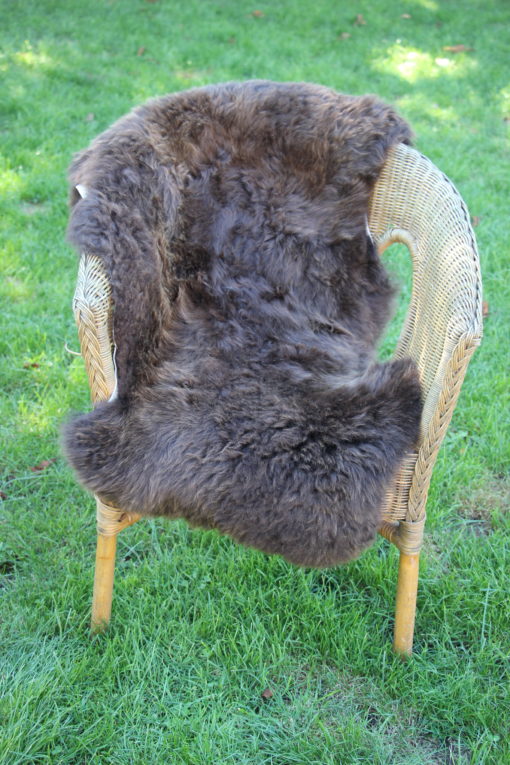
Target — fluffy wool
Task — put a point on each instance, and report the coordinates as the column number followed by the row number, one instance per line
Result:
column 248, row 301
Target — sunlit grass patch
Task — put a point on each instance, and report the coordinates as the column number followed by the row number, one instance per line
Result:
column 32, row 59
column 412, row 64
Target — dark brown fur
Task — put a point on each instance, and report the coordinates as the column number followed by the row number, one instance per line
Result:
column 248, row 302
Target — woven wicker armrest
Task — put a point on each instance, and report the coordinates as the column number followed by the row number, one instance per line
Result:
column 92, row 308
column 415, row 204
column 92, row 312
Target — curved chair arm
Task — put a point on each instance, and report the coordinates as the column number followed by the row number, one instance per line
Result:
column 415, row 204
column 92, row 308
column 92, row 312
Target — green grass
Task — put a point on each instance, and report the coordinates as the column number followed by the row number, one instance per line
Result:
column 202, row 627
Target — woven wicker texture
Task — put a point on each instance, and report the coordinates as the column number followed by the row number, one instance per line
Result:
column 412, row 203
column 93, row 313
column 415, row 204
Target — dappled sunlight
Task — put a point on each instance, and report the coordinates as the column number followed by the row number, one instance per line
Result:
column 49, row 396
column 503, row 98
column 429, row 5
column 32, row 59
column 15, row 289
column 22, row 69
column 10, row 181
column 35, row 416
column 411, row 64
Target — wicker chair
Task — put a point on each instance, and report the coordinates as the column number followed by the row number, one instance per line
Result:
column 412, row 203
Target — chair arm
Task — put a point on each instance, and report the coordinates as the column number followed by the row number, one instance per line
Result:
column 415, row 204
column 93, row 313
column 92, row 306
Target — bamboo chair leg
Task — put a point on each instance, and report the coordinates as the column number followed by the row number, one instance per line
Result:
column 103, row 582
column 407, row 588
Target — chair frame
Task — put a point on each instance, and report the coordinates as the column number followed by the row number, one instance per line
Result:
column 412, row 203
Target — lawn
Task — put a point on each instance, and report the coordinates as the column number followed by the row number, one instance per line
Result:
column 216, row 653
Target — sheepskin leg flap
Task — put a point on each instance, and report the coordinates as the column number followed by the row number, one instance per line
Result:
column 248, row 301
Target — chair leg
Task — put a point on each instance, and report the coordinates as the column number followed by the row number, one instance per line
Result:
column 407, row 588
column 103, row 582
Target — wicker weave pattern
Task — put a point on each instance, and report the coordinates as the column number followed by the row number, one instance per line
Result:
column 92, row 311
column 412, row 203
column 415, row 204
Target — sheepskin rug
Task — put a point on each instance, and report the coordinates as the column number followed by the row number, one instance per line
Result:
column 248, row 302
